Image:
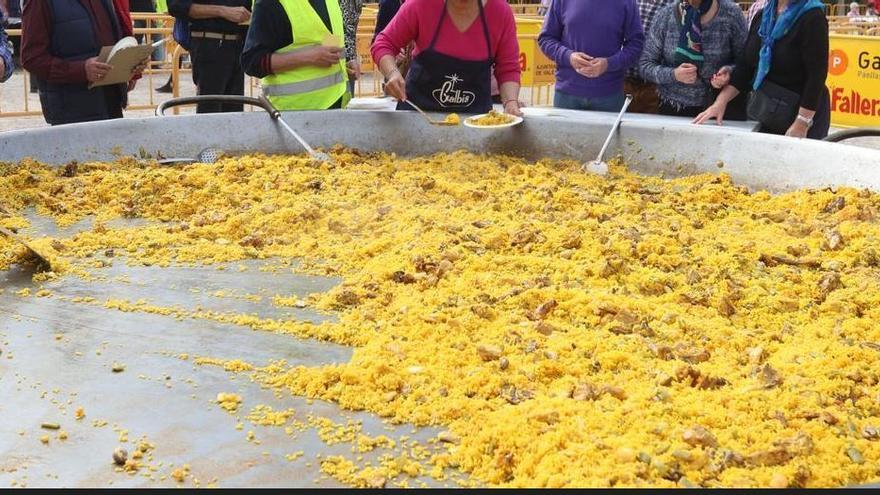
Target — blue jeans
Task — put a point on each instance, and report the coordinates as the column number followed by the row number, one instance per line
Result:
column 611, row 103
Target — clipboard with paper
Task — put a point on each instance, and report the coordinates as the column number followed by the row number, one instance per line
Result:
column 124, row 56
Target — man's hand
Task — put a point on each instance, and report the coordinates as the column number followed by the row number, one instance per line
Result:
column 579, row 61
column 595, row 68
column 138, row 71
column 131, row 85
column 686, row 73
column 95, row 70
column 396, row 86
column 2, row 68
column 237, row 15
column 354, row 69
column 324, row 56
column 721, row 78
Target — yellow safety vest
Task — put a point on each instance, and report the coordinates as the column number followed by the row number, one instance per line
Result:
column 310, row 87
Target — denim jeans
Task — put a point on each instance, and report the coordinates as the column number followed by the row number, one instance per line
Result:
column 611, row 103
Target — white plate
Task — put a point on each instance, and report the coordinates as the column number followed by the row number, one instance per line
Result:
column 467, row 123
column 372, row 104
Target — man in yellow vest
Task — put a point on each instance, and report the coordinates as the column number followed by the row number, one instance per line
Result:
column 296, row 48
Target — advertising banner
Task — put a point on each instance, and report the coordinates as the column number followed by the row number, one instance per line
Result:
column 854, row 81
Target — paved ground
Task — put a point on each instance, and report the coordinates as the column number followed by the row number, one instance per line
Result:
column 14, row 93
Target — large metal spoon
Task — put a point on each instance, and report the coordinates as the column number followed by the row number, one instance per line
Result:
column 42, row 263
column 598, row 166
column 261, row 102
column 428, row 117
column 276, row 116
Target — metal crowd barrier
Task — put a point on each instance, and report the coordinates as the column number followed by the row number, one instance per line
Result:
column 159, row 26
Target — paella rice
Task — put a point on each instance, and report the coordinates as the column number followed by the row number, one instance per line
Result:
column 493, row 118
column 563, row 329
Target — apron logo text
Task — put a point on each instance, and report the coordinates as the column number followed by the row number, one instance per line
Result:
column 448, row 96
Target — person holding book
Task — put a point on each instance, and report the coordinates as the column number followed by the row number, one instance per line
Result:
column 61, row 41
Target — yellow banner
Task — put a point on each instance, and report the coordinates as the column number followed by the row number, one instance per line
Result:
column 536, row 67
column 854, row 81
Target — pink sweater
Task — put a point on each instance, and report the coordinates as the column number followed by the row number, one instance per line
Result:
column 417, row 20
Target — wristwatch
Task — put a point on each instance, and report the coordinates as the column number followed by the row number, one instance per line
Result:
column 804, row 120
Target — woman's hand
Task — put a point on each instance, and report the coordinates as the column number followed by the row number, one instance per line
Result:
column 721, row 78
column 395, row 85
column 716, row 111
column 686, row 73
column 798, row 129
column 513, row 107
column 354, row 69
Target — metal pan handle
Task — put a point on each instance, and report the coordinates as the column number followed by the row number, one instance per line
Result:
column 840, row 136
column 192, row 100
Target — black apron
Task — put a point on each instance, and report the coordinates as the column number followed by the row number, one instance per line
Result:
column 440, row 83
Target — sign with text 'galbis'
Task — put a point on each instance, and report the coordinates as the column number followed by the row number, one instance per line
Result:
column 854, row 80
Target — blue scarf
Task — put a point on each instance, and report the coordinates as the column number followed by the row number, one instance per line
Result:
column 690, row 39
column 773, row 29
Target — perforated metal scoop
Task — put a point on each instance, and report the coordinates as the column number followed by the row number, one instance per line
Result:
column 207, row 155
column 598, row 166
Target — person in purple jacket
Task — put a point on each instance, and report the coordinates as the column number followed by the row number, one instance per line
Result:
column 593, row 43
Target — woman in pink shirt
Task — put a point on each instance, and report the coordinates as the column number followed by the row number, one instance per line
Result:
column 458, row 45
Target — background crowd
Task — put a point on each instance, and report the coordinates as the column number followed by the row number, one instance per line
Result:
column 703, row 59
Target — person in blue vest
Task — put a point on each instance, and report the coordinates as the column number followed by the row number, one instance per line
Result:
column 61, row 40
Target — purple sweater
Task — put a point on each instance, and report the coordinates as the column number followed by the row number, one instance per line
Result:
column 600, row 28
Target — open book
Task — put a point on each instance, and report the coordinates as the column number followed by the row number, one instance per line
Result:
column 124, row 56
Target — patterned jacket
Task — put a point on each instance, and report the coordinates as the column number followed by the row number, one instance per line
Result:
column 5, row 55
column 351, row 15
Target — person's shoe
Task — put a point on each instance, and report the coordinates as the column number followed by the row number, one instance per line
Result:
column 165, row 88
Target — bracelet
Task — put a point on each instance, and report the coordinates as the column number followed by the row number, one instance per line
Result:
column 804, row 120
